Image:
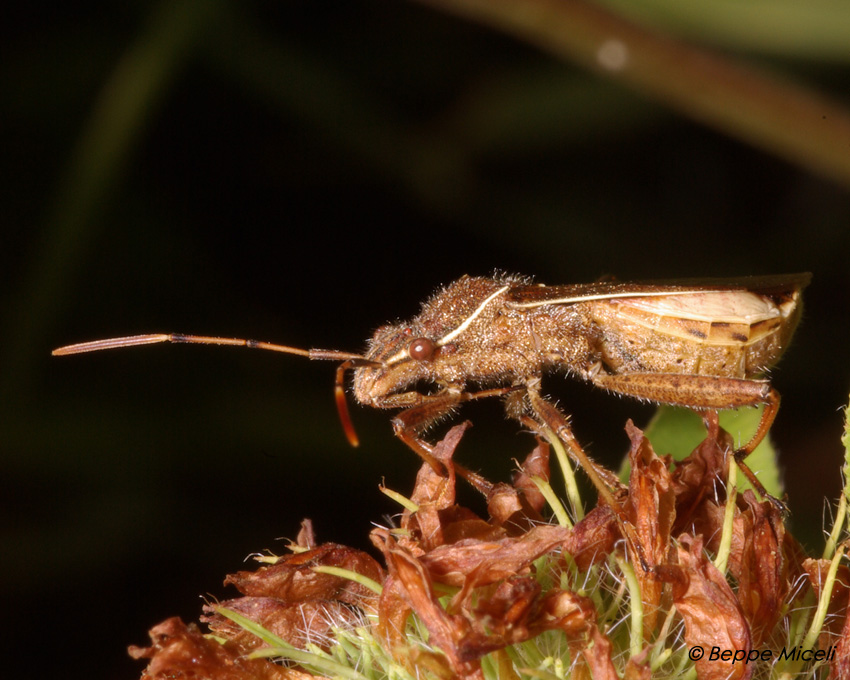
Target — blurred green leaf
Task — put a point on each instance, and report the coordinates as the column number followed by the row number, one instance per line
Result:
column 811, row 30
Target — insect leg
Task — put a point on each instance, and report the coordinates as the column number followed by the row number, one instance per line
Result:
column 703, row 392
column 700, row 392
column 768, row 415
column 408, row 423
column 411, row 421
column 603, row 479
column 694, row 391
column 549, row 415
column 771, row 406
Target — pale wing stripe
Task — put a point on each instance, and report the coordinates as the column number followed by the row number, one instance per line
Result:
column 448, row 337
column 606, row 296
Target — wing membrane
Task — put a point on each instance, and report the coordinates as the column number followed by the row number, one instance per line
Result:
column 538, row 295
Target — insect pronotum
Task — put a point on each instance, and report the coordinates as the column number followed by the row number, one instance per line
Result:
column 704, row 344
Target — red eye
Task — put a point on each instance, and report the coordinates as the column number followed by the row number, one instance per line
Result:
column 421, row 349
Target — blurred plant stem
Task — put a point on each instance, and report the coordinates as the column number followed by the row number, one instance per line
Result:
column 785, row 119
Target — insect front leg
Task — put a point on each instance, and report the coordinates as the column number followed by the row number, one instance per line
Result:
column 409, row 423
column 427, row 409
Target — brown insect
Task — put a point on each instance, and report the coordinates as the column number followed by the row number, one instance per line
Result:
column 704, row 344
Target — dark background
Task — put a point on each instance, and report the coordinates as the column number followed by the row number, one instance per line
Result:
column 303, row 172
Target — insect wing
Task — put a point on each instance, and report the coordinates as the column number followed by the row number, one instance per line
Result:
column 527, row 296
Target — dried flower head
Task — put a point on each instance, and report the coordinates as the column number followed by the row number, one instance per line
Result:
column 680, row 577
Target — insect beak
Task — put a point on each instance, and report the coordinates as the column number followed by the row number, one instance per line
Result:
column 349, row 361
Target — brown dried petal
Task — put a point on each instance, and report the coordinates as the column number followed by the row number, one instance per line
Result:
column 460, row 523
column 431, row 487
column 638, row 668
column 298, row 623
column 430, row 528
column 424, row 529
column 840, row 667
column 292, row 579
column 536, row 464
column 181, row 651
column 651, row 500
column 306, row 535
column 699, row 481
column 758, row 564
column 433, row 493
column 593, row 538
column 713, row 617
column 707, row 522
column 517, row 507
column 445, row 630
column 505, row 507
column 816, row 571
column 507, row 612
column 513, row 612
column 566, row 611
column 472, row 563
column 696, row 476
column 651, row 510
column 393, row 610
column 597, row 656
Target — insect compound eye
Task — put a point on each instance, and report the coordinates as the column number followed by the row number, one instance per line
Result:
column 421, row 349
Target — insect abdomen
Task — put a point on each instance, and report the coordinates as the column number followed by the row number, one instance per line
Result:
column 725, row 334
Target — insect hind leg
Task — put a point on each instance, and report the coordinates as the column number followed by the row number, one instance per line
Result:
column 699, row 392
column 768, row 415
column 708, row 394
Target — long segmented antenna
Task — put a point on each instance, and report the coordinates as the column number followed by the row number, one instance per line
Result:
column 349, row 359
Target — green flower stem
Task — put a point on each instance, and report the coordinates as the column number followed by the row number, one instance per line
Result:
column 636, row 604
column 845, row 440
column 725, row 548
column 837, row 528
column 365, row 581
column 552, row 499
column 569, row 474
column 402, row 500
column 280, row 648
column 823, row 601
